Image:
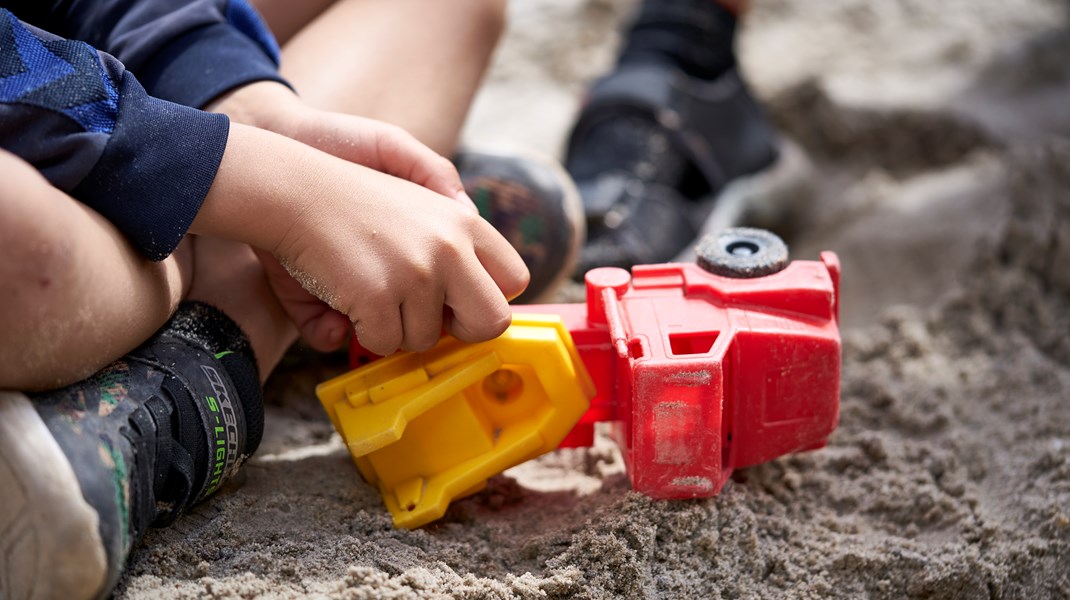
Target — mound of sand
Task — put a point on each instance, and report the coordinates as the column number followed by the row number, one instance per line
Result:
column 938, row 136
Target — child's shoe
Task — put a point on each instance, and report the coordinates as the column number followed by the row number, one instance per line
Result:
column 660, row 138
column 650, row 153
column 86, row 469
column 530, row 200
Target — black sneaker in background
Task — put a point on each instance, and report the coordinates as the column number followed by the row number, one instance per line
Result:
column 651, row 152
column 662, row 134
column 86, row 469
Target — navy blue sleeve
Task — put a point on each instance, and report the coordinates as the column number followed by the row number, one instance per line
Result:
column 88, row 126
column 185, row 51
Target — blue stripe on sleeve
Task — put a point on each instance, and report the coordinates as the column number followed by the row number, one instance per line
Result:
column 40, row 67
column 243, row 17
column 60, row 75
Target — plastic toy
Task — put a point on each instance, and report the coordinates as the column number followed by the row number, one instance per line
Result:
column 699, row 369
column 428, row 428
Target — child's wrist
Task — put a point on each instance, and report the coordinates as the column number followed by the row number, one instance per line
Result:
column 260, row 191
column 266, row 105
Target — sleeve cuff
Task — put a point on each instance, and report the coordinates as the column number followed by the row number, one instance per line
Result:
column 203, row 63
column 155, row 170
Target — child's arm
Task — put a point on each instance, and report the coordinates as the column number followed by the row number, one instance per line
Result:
column 380, row 146
column 386, row 252
column 86, row 124
column 186, row 52
column 375, row 144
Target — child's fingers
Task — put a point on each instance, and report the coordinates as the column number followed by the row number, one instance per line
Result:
column 378, row 328
column 383, row 147
column 402, row 155
column 500, row 260
column 421, row 320
column 478, row 307
column 322, row 327
column 327, row 332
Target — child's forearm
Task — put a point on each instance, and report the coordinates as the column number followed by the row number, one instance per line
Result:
column 380, row 146
column 264, row 182
column 386, row 252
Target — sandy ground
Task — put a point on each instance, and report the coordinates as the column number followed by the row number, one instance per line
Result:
column 940, row 172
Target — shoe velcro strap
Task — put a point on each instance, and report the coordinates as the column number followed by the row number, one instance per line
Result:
column 717, row 124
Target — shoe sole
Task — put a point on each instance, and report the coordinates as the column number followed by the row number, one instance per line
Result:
column 50, row 545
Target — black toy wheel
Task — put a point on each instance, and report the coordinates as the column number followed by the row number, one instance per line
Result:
column 742, row 252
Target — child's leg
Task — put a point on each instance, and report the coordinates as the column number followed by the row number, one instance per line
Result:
column 229, row 276
column 413, row 63
column 287, row 17
column 85, row 469
column 76, row 295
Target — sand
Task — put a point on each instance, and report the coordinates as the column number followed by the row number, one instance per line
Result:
column 938, row 139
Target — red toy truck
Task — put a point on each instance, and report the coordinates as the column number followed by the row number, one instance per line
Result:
column 705, row 368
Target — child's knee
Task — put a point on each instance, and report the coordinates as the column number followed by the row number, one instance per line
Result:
column 36, row 256
column 34, row 271
column 488, row 18
column 73, row 294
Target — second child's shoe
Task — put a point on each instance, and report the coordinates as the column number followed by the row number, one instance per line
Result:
column 85, row 470
column 652, row 150
column 533, row 203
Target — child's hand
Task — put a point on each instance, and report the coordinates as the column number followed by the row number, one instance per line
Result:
column 323, row 328
column 389, row 254
column 381, row 146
